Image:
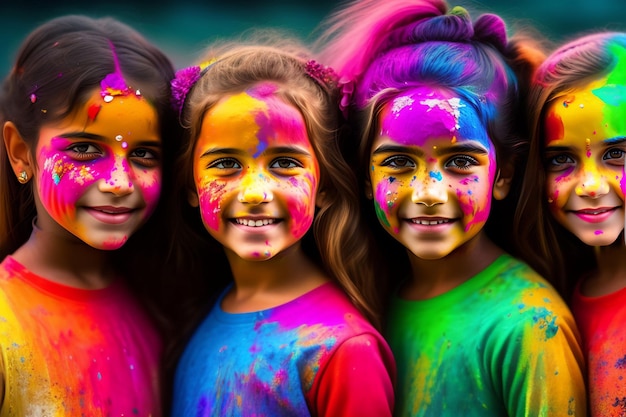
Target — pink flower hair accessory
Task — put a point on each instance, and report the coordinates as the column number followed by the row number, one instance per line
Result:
column 323, row 75
column 182, row 83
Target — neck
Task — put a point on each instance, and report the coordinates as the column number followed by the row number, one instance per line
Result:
column 610, row 274
column 65, row 261
column 265, row 284
column 433, row 277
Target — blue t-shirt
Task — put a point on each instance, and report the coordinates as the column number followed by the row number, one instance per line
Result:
column 315, row 355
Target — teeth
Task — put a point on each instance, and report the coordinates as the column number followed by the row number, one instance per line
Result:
column 430, row 222
column 254, row 223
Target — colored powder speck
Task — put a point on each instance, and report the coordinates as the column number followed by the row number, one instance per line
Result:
column 435, row 175
column 598, row 232
column 92, row 111
column 546, row 322
column 621, row 363
column 392, row 179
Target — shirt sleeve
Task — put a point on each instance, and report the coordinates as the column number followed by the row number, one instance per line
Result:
column 540, row 364
column 358, row 380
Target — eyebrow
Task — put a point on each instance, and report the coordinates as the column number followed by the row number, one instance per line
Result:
column 99, row 138
column 608, row 142
column 270, row 151
column 457, row 148
column 615, row 141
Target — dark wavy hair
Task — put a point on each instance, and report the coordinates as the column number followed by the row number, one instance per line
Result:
column 61, row 63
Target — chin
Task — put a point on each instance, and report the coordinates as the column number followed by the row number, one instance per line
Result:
column 111, row 243
column 256, row 256
column 604, row 239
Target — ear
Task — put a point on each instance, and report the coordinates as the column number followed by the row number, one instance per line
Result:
column 18, row 151
column 192, row 198
column 368, row 189
column 502, row 184
column 321, row 199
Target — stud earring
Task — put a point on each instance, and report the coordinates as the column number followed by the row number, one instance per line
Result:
column 23, row 177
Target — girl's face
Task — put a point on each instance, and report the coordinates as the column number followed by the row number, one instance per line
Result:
column 99, row 170
column 432, row 170
column 256, row 173
column 585, row 142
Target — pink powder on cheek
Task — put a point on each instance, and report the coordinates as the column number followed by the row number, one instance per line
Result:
column 384, row 201
column 300, row 203
column 386, row 193
column 62, row 182
column 150, row 186
column 475, row 211
column 210, row 195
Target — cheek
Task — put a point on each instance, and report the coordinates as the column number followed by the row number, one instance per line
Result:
column 149, row 182
column 474, row 198
column 388, row 191
column 300, row 192
column 62, row 181
column 211, row 193
column 557, row 186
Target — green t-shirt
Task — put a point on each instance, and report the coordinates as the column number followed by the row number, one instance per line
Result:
column 503, row 343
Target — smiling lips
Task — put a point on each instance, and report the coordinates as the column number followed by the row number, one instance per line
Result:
column 431, row 221
column 254, row 223
column 594, row 215
column 110, row 214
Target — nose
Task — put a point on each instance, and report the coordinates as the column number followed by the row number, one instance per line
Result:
column 120, row 182
column 429, row 190
column 592, row 185
column 255, row 189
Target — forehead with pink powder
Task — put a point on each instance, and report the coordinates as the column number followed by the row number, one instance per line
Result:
column 278, row 120
column 421, row 114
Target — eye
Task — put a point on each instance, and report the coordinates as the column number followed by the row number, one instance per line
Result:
column 614, row 156
column 559, row 162
column 461, row 162
column 145, row 157
column 285, row 163
column 84, row 151
column 398, row 161
column 225, row 163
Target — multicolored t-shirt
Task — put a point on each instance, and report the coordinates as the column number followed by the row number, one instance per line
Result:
column 313, row 356
column 73, row 352
column 503, row 343
column 602, row 323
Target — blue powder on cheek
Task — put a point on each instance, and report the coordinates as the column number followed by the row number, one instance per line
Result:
column 435, row 175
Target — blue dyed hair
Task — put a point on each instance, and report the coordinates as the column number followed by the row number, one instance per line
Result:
column 422, row 43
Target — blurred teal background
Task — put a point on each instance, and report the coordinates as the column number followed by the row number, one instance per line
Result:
column 182, row 28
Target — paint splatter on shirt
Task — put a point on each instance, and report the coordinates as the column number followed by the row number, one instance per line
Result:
column 315, row 355
column 72, row 352
column 602, row 323
column 502, row 343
